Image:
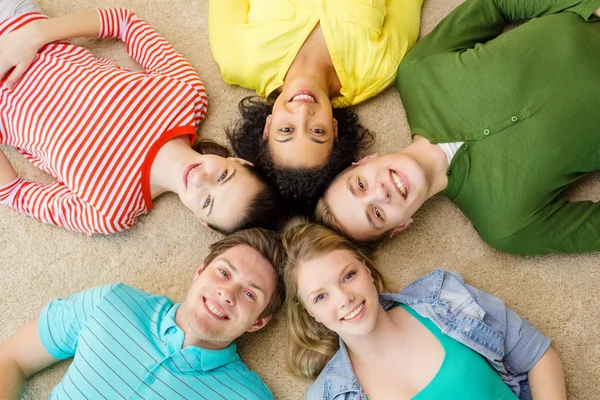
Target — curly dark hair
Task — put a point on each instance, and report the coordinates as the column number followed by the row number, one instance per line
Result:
column 300, row 188
column 264, row 211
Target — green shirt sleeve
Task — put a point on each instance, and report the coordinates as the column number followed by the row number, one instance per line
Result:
column 477, row 21
column 62, row 320
column 573, row 227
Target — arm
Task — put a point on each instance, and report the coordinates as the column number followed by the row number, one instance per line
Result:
column 7, row 172
column 21, row 356
column 223, row 17
column 572, row 227
column 547, row 378
column 477, row 21
column 56, row 204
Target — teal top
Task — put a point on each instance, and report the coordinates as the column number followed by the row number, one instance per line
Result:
column 464, row 374
column 125, row 344
column 526, row 104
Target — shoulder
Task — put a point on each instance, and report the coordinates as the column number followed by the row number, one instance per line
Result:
column 256, row 389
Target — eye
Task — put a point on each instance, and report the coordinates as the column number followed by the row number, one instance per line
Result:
column 223, row 273
column 317, row 131
column 349, row 276
column 207, row 202
column 285, row 130
column 319, row 298
column 222, row 177
column 378, row 214
column 360, row 184
column 250, row 296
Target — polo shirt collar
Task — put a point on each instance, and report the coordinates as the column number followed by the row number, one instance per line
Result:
column 195, row 358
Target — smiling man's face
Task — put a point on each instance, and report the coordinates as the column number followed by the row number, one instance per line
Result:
column 377, row 196
column 227, row 297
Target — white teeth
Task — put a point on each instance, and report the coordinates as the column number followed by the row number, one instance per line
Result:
column 399, row 183
column 354, row 313
column 304, row 97
column 213, row 309
column 190, row 174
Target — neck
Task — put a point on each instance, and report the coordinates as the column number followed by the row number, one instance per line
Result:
column 433, row 160
column 189, row 338
column 168, row 166
column 370, row 347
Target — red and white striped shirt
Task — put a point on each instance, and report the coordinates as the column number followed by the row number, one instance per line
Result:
column 96, row 127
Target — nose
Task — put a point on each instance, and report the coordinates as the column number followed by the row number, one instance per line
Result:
column 347, row 299
column 378, row 193
column 201, row 179
column 226, row 295
column 302, row 110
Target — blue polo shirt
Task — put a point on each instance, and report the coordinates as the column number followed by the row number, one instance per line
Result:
column 125, row 345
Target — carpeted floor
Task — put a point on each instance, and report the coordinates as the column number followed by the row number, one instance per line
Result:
column 39, row 262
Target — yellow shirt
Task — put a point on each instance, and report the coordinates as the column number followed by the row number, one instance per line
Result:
column 255, row 41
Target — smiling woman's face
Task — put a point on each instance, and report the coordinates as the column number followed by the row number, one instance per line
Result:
column 219, row 190
column 301, row 130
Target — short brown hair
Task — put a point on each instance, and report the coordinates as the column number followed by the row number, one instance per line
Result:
column 268, row 244
column 324, row 216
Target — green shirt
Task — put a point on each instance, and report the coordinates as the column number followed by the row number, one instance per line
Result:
column 527, row 105
column 464, row 374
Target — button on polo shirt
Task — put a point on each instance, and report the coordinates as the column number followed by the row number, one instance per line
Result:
column 125, row 345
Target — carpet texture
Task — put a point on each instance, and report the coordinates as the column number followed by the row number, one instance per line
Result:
column 38, row 262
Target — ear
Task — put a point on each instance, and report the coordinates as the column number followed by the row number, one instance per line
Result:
column 204, row 224
column 335, row 129
column 267, row 127
column 198, row 272
column 365, row 159
column 259, row 324
column 400, row 228
column 240, row 161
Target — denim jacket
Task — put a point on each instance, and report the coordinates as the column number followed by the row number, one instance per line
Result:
column 476, row 319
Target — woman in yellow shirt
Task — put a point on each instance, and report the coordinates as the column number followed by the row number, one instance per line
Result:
column 308, row 59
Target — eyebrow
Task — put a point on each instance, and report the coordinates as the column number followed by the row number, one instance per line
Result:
column 235, row 270
column 312, row 140
column 212, row 202
column 321, row 289
column 367, row 213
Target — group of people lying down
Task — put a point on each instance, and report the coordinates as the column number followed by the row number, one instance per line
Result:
column 493, row 114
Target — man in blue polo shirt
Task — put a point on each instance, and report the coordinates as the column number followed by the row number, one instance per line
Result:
column 128, row 344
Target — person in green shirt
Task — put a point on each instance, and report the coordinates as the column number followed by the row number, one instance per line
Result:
column 502, row 124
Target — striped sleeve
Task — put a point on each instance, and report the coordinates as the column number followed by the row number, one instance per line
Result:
column 62, row 320
column 55, row 204
column 151, row 51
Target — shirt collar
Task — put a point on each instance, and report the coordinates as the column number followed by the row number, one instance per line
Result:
column 424, row 290
column 193, row 358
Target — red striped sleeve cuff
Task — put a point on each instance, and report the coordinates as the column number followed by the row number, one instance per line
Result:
column 8, row 189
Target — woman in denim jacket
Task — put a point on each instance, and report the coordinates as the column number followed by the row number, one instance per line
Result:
column 437, row 338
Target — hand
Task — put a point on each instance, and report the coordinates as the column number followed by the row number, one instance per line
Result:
column 18, row 49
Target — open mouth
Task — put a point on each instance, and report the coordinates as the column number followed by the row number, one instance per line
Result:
column 187, row 173
column 214, row 310
column 304, row 96
column 355, row 314
column 399, row 184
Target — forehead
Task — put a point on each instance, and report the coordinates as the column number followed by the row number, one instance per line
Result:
column 232, row 199
column 249, row 265
column 349, row 210
column 323, row 270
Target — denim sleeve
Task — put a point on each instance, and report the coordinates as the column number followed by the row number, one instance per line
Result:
column 524, row 345
column 62, row 320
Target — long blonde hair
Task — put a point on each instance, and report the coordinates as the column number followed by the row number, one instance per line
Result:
column 310, row 345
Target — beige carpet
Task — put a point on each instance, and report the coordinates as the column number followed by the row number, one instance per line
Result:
column 40, row 262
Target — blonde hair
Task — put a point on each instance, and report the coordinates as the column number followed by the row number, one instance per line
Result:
column 324, row 216
column 310, row 345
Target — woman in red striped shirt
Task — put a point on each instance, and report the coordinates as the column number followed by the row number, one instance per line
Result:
column 113, row 139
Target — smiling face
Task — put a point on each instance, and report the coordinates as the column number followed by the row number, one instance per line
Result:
column 378, row 195
column 218, row 190
column 301, row 130
column 227, row 298
column 338, row 291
